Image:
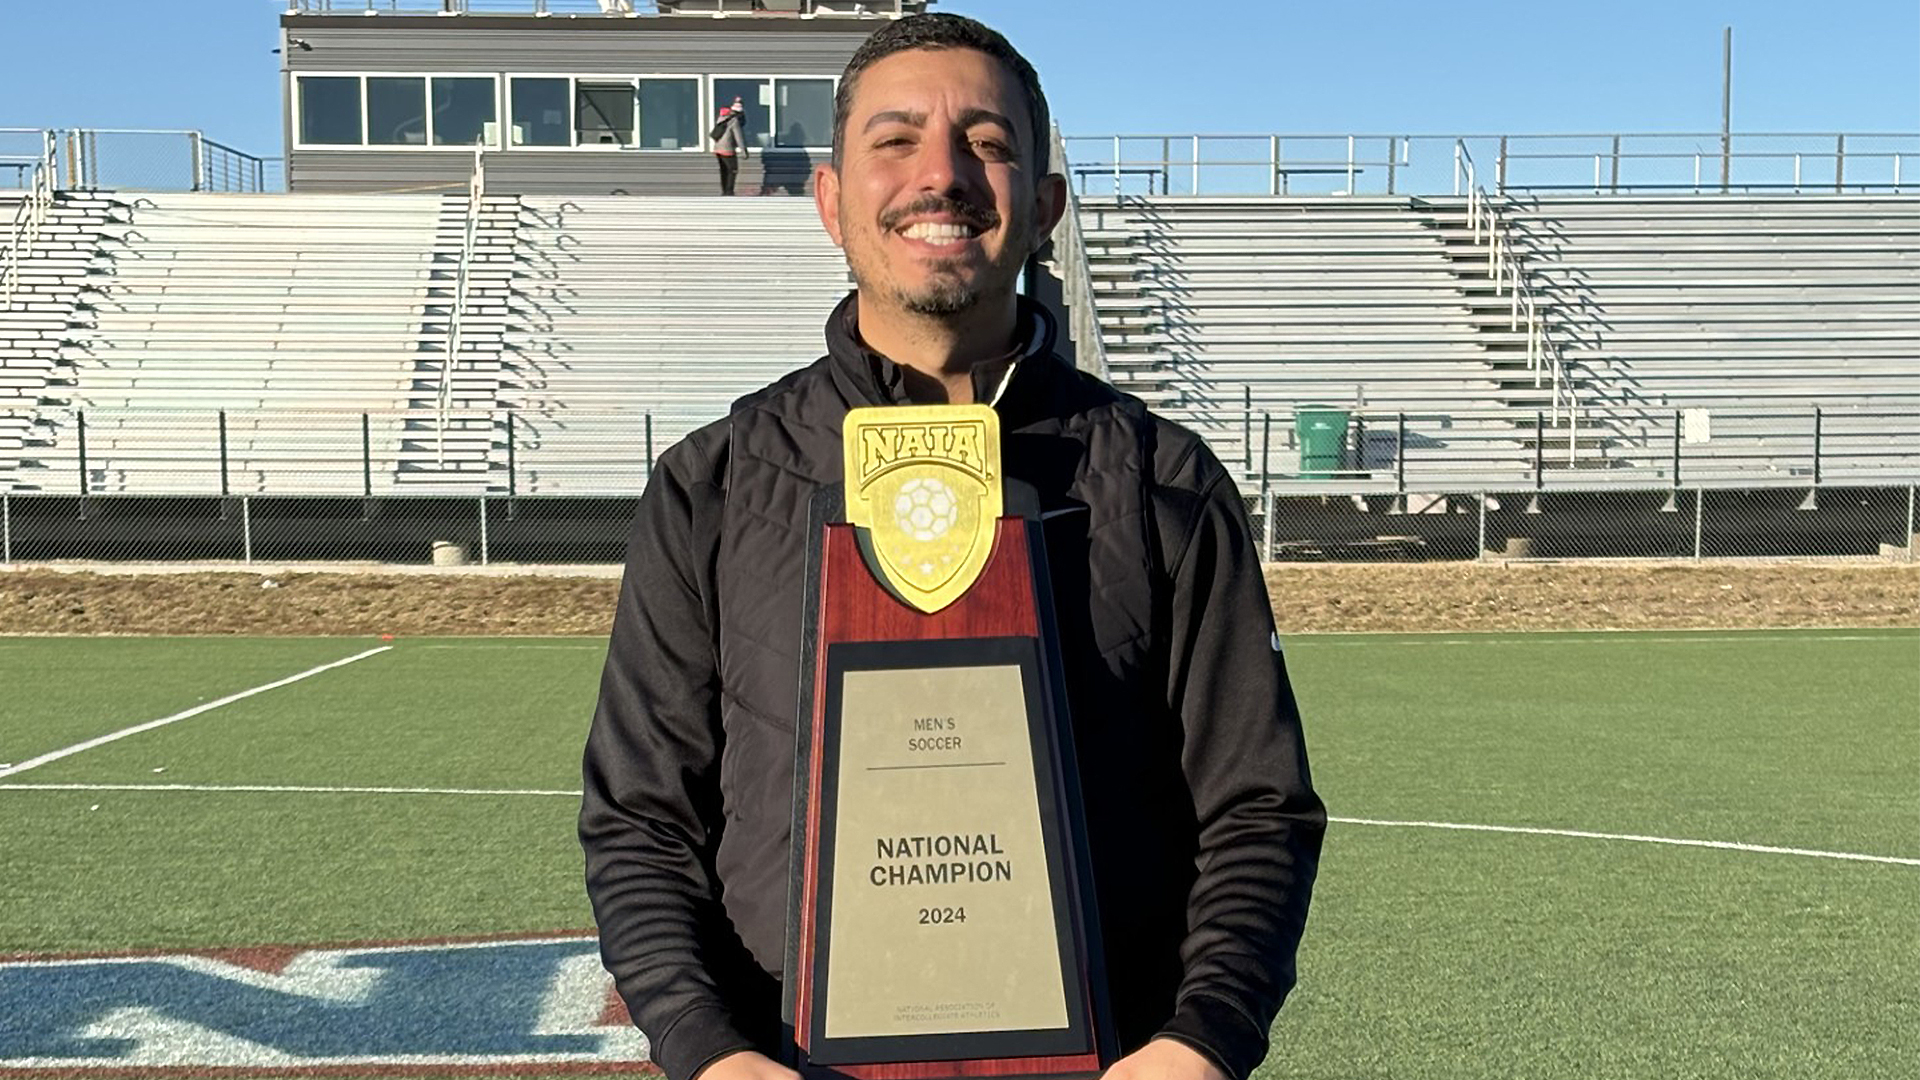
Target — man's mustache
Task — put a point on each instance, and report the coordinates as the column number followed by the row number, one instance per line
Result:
column 981, row 218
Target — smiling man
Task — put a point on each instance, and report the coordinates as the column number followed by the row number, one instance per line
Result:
column 1203, row 825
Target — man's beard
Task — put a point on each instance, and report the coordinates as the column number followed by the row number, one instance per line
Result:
column 945, row 295
column 946, row 292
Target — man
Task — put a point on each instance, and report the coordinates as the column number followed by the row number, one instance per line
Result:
column 1203, row 826
column 729, row 136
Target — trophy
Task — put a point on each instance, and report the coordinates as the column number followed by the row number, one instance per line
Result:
column 941, row 918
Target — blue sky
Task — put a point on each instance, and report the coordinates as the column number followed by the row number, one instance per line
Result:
column 1216, row 66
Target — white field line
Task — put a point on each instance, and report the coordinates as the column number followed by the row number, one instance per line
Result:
column 77, row 748
column 293, row 789
column 1309, row 641
column 1373, row 639
column 1578, row 834
column 1581, row 834
column 598, row 646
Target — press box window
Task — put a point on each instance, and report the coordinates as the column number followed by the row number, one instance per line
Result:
column 463, row 111
column 669, row 114
column 603, row 114
column 757, row 96
column 330, row 110
column 396, row 111
column 804, row 112
column 539, row 111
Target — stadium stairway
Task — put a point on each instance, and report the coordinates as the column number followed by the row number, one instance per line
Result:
column 648, row 317
column 45, row 310
column 448, row 442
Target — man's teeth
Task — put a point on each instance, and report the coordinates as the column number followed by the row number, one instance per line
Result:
column 936, row 232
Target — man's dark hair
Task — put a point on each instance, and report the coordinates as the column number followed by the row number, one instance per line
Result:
column 943, row 31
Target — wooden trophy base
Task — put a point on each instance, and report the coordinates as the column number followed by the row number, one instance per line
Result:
column 941, row 914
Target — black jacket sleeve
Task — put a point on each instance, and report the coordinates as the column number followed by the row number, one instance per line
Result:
column 650, row 814
column 1245, row 762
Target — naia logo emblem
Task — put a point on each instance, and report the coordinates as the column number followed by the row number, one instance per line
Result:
column 923, row 484
column 479, row 1006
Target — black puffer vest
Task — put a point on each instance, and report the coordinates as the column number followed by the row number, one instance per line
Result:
column 1088, row 450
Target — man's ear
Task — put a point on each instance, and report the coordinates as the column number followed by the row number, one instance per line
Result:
column 1049, row 206
column 826, row 199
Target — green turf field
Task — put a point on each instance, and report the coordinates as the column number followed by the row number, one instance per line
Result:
column 1431, row 952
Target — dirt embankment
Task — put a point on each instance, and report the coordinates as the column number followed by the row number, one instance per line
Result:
column 1574, row 596
column 1307, row 599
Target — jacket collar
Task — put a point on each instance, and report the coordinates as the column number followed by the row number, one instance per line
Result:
column 1010, row 383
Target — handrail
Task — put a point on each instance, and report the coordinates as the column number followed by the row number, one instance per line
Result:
column 610, row 8
column 476, row 191
column 148, row 159
column 464, row 7
column 28, row 219
column 1509, row 271
column 1260, row 163
column 315, row 451
column 1076, row 274
column 1715, row 135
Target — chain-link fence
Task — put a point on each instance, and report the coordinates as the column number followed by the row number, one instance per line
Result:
column 1859, row 523
column 1672, row 523
column 559, row 485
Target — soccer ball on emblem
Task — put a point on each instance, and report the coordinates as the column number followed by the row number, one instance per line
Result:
column 925, row 508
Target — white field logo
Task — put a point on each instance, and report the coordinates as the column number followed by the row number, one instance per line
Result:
column 477, row 1006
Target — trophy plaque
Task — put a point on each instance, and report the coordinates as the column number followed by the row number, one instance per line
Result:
column 941, row 920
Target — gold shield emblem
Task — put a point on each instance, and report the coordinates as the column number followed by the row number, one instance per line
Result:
column 924, row 487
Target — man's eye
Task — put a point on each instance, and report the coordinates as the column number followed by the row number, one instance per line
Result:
column 990, row 148
column 892, row 141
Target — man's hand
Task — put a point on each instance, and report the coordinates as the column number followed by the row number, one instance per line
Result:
column 745, row 1065
column 1164, row 1059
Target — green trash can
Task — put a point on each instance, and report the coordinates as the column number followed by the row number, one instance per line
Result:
column 1323, row 440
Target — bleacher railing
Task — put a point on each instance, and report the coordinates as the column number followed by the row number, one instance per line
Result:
column 615, row 8
column 1610, row 164
column 293, row 452
column 1628, row 447
column 470, row 7
column 1509, row 271
column 1396, row 485
column 1076, row 276
column 456, row 317
column 29, row 217
column 129, row 159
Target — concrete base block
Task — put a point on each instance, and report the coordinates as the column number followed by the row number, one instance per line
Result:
column 1909, row 552
column 448, row 553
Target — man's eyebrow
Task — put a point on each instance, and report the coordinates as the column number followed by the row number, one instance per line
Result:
column 896, row 116
column 968, row 119
column 987, row 116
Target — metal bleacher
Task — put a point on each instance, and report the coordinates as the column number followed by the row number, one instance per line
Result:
column 196, row 343
column 1777, row 330
column 635, row 321
column 1705, row 299
column 1754, row 310
column 1217, row 309
column 44, row 286
column 297, row 344
column 300, row 344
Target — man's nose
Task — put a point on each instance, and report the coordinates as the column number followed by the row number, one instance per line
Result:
column 943, row 165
